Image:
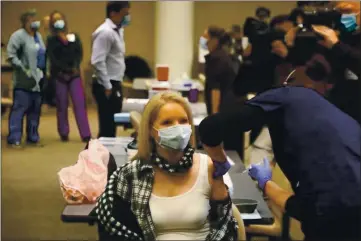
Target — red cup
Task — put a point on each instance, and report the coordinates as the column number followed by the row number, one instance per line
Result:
column 162, row 72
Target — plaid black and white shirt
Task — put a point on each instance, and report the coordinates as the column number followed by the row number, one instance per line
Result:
column 131, row 185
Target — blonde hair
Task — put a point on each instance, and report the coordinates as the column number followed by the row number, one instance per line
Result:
column 150, row 113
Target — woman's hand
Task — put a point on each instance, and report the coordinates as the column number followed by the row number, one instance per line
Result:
column 75, row 71
column 279, row 48
column 291, row 36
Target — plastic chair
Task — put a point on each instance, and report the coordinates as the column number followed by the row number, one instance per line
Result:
column 238, row 217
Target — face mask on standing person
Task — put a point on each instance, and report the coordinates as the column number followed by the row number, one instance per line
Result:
column 35, row 25
column 349, row 21
column 126, row 21
column 59, row 24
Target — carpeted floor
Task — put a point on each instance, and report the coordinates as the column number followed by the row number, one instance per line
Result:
column 31, row 199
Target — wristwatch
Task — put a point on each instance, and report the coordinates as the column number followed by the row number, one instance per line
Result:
column 221, row 168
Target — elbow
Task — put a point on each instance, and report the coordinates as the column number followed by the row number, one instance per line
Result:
column 209, row 131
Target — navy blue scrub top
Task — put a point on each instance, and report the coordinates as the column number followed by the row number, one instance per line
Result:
column 316, row 145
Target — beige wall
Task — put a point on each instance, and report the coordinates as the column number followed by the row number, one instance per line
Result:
column 84, row 17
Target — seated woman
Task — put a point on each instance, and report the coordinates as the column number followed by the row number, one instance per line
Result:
column 168, row 191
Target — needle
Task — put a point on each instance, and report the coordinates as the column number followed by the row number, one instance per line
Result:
column 247, row 169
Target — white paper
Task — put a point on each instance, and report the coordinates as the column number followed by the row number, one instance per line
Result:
column 254, row 215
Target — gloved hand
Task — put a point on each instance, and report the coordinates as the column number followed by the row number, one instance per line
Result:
column 261, row 172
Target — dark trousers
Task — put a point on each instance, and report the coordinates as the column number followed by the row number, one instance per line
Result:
column 29, row 104
column 107, row 107
column 75, row 88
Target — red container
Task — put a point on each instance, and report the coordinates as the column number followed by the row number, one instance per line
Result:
column 162, row 72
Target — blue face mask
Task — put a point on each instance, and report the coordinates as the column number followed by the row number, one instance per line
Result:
column 35, row 25
column 203, row 43
column 175, row 137
column 59, row 24
column 125, row 21
column 349, row 21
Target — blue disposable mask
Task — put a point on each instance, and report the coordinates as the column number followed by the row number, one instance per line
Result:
column 349, row 22
column 59, row 24
column 175, row 137
column 125, row 21
column 35, row 25
column 203, row 43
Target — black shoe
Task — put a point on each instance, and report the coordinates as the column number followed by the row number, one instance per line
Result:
column 64, row 138
column 16, row 145
column 35, row 144
column 86, row 139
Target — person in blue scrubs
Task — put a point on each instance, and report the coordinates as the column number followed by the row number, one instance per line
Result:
column 26, row 53
column 316, row 145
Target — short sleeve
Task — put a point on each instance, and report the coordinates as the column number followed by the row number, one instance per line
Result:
column 271, row 100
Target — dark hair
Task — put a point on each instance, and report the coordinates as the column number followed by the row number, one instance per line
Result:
column 223, row 37
column 316, row 3
column 279, row 19
column 295, row 13
column 24, row 16
column 318, row 68
column 116, row 6
column 263, row 11
column 51, row 22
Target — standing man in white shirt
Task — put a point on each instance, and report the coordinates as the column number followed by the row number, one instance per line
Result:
column 108, row 53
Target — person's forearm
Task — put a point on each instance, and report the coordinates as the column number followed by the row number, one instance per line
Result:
column 101, row 73
column 216, row 100
column 350, row 56
column 219, row 190
column 214, row 128
column 216, row 153
column 276, row 194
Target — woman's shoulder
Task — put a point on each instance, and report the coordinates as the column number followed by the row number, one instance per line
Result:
column 129, row 169
column 206, row 161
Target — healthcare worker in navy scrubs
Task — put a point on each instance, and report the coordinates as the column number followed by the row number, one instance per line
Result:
column 26, row 52
column 316, row 145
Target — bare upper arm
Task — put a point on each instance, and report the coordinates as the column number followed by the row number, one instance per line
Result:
column 218, row 188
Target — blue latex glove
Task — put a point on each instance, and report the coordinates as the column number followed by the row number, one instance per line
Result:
column 261, row 172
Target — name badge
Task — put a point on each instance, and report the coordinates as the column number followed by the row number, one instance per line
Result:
column 71, row 37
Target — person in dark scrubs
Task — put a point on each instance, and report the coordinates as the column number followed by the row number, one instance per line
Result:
column 219, row 71
column 220, row 75
column 316, row 145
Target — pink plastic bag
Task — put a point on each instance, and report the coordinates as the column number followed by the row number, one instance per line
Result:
column 85, row 181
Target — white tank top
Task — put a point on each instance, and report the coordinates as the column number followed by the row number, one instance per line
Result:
column 184, row 217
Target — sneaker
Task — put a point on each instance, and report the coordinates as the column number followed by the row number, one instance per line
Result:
column 16, row 145
column 35, row 144
column 64, row 138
